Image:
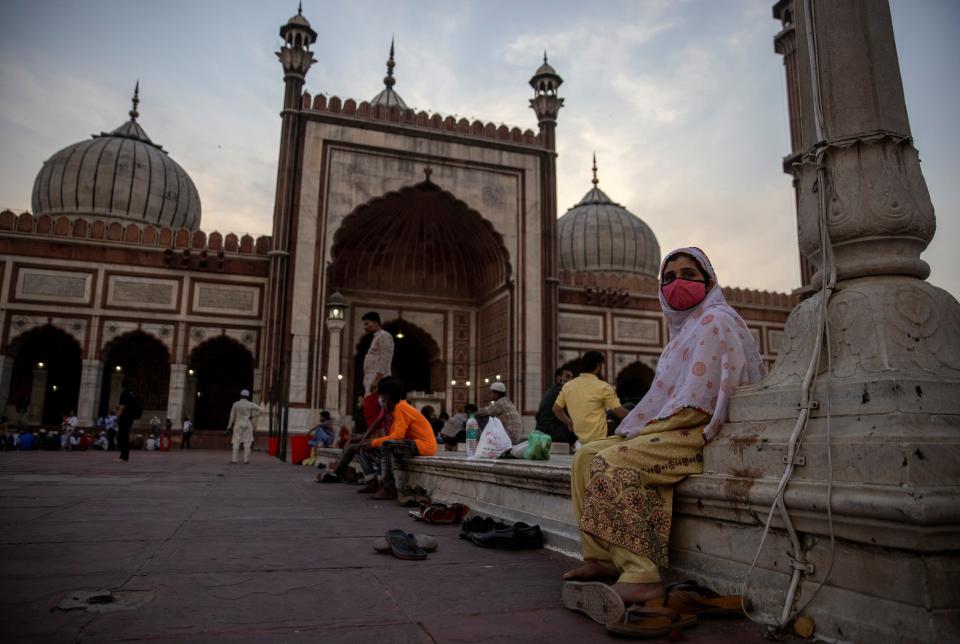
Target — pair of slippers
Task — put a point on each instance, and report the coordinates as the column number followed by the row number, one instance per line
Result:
column 404, row 545
column 441, row 513
column 603, row 605
column 680, row 608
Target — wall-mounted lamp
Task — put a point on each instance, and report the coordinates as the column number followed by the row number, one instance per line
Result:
column 40, row 365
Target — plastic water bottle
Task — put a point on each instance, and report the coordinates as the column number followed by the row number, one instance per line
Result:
column 473, row 435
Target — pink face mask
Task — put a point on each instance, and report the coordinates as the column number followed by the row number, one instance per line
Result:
column 682, row 294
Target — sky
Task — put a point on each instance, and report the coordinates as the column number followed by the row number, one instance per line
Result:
column 683, row 101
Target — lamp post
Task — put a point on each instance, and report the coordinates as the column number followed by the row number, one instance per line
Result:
column 336, row 319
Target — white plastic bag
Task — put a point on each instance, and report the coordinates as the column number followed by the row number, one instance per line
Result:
column 494, row 441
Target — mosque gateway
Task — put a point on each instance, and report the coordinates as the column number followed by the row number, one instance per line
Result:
column 448, row 228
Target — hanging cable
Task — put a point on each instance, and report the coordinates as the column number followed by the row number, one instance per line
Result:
column 828, row 275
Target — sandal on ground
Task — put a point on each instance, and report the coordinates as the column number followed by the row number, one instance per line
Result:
column 690, row 597
column 445, row 514
column 404, row 545
column 598, row 600
column 423, row 541
column 328, row 477
column 647, row 621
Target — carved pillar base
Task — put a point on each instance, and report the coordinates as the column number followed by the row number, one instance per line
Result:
column 91, row 380
column 894, row 435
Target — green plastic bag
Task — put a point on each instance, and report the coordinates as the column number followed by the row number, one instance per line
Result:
column 538, row 446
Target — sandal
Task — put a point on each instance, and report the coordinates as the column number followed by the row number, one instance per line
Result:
column 598, row 600
column 423, row 541
column 647, row 621
column 404, row 546
column 446, row 514
column 690, row 597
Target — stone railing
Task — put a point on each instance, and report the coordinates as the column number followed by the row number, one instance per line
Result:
column 421, row 119
column 131, row 234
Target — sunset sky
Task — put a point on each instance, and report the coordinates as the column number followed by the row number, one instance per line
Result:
column 683, row 102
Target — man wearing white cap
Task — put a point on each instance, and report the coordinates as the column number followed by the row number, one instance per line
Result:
column 504, row 409
column 243, row 421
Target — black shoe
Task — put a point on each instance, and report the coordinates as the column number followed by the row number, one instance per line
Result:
column 328, row 477
column 476, row 525
column 519, row 536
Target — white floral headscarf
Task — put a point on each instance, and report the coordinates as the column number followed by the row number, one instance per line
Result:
column 711, row 353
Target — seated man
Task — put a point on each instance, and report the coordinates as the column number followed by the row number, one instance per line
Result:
column 410, row 435
column 323, row 432
column 504, row 409
column 547, row 421
column 367, row 424
column 455, row 429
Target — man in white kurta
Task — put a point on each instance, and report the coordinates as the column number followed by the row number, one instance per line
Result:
column 243, row 422
column 376, row 364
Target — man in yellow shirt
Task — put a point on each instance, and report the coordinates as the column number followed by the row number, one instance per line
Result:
column 587, row 398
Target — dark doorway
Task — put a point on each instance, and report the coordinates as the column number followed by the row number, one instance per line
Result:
column 416, row 358
column 633, row 382
column 223, row 367
column 145, row 361
column 60, row 355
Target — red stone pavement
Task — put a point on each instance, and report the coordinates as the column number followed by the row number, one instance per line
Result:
column 208, row 551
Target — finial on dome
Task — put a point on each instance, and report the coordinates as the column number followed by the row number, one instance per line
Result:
column 136, row 101
column 389, row 80
column 300, row 8
column 544, row 56
column 595, row 180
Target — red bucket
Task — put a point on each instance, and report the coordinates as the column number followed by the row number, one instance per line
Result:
column 273, row 446
column 299, row 449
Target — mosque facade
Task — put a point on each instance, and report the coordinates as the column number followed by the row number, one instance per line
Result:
column 447, row 227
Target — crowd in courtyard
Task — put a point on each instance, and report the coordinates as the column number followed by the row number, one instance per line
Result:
column 627, row 459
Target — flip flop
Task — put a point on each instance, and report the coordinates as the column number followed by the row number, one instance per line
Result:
column 690, row 597
column 647, row 621
column 445, row 514
column 598, row 600
column 404, row 546
column 423, row 541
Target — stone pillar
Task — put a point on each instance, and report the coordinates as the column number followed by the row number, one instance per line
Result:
column 884, row 408
column 189, row 399
column 178, row 379
column 91, row 381
column 6, row 374
column 332, row 401
column 116, row 388
column 38, row 396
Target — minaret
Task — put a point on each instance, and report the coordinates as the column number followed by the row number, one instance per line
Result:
column 547, row 104
column 296, row 58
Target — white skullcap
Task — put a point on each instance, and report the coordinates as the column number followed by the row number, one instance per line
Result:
column 245, row 393
column 498, row 386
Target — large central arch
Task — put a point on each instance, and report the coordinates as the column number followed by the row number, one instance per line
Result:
column 419, row 240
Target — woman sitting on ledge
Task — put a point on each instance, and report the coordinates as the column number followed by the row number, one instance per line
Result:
column 623, row 485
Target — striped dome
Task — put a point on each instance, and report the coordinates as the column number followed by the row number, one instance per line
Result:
column 121, row 175
column 600, row 235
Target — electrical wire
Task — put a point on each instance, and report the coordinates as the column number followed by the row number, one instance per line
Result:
column 828, row 277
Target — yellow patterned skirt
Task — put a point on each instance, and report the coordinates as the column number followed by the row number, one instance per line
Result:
column 623, row 492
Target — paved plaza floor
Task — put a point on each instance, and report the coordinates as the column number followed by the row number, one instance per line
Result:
column 195, row 549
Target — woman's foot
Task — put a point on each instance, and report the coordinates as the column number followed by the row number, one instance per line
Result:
column 638, row 593
column 589, row 571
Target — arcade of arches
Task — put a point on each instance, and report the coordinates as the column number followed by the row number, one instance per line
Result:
column 43, row 372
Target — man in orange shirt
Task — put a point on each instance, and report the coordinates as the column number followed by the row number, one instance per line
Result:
column 410, row 435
